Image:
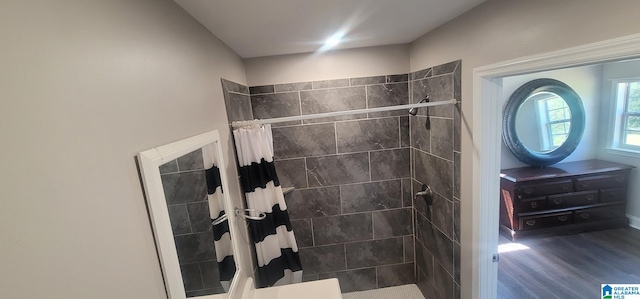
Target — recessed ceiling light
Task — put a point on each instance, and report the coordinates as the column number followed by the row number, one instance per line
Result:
column 333, row 40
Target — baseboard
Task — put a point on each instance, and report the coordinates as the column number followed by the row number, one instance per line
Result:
column 634, row 221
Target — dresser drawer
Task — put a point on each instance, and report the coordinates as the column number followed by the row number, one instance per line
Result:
column 573, row 199
column 533, row 204
column 539, row 189
column 613, row 194
column 534, row 222
column 603, row 213
column 601, row 181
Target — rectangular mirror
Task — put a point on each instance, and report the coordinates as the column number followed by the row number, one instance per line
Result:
column 185, row 191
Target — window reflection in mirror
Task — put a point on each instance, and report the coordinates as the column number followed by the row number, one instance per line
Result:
column 543, row 122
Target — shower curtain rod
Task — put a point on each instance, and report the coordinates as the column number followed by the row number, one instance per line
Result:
column 237, row 124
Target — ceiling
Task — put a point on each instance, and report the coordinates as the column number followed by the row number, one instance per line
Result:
column 255, row 28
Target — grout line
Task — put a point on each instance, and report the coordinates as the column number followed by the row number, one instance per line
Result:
column 370, row 177
column 306, row 171
column 335, row 135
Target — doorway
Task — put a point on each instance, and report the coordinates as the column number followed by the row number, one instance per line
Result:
column 487, row 89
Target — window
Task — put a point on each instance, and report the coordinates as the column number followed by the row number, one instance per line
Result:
column 627, row 129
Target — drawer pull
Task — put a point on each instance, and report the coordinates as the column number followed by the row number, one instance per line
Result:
column 528, row 191
column 566, row 187
column 531, row 222
column 585, row 215
column 534, row 205
column 563, row 218
column 584, row 185
column 619, row 179
column 557, row 201
column 589, row 197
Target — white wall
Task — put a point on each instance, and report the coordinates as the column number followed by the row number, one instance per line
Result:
column 361, row 62
column 499, row 30
column 618, row 70
column 84, row 86
column 585, row 81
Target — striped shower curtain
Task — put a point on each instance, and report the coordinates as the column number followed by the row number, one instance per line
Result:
column 275, row 244
column 221, row 235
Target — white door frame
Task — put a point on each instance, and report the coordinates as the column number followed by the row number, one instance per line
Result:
column 487, row 120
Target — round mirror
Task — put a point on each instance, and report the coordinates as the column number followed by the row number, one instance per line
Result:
column 543, row 122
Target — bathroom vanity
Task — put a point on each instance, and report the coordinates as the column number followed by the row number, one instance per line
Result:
column 564, row 198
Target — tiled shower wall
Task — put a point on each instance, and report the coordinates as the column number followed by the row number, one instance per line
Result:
column 351, row 209
column 436, row 162
column 185, row 188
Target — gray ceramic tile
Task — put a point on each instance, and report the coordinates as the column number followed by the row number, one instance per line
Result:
column 442, row 215
column 384, row 95
column 344, row 228
column 456, row 262
column 199, row 216
column 435, row 172
column 436, row 242
column 235, row 87
column 261, row 89
column 405, row 140
column 205, row 292
column 210, row 274
column 169, row 167
column 338, row 169
column 354, row 280
column 195, row 247
column 302, row 231
column 445, row 68
column 421, row 74
column 191, row 277
column 322, row 259
column 443, row 282
column 309, row 277
column 442, row 138
column 408, row 249
column 293, row 86
column 456, row 128
column 425, row 286
column 371, row 196
column 390, row 164
column 407, row 196
column 420, row 136
column 395, row 275
column 424, row 260
column 397, row 78
column 179, row 219
column 276, row 105
column 304, row 141
column 368, row 80
column 374, row 253
column 191, row 161
column 331, row 100
column 392, row 223
column 292, row 173
column 184, row 187
column 457, row 78
column 456, row 220
column 238, row 107
column 315, row 202
column 367, row 134
column 330, row 83
column 439, row 89
column 456, row 174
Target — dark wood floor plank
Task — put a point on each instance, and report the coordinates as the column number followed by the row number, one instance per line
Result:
column 571, row 266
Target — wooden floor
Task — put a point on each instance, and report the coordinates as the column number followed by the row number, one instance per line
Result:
column 570, row 266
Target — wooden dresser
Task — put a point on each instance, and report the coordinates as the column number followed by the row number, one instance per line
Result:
column 563, row 198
